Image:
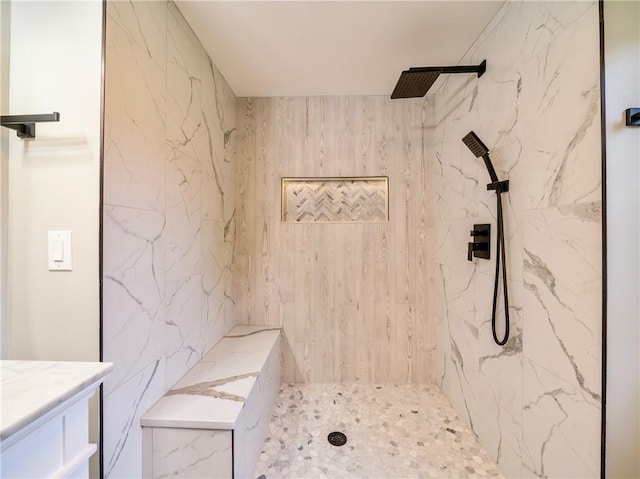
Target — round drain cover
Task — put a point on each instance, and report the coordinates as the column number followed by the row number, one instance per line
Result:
column 337, row 438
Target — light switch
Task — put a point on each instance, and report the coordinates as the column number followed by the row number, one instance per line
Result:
column 60, row 250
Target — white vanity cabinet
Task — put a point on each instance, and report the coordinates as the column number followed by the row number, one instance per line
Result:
column 44, row 425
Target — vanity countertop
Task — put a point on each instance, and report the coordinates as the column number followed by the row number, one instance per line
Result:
column 30, row 389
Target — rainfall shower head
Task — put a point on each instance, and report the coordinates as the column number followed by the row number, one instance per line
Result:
column 415, row 82
column 480, row 150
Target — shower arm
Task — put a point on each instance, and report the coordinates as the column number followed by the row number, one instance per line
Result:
column 479, row 69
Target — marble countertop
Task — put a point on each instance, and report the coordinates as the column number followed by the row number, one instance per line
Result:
column 30, row 389
column 213, row 392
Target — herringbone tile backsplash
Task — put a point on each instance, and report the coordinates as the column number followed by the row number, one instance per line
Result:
column 335, row 200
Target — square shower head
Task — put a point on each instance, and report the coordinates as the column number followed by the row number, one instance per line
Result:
column 415, row 82
column 475, row 144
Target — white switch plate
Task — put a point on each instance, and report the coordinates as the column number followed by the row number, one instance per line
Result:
column 60, row 250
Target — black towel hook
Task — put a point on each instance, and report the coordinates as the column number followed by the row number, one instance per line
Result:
column 25, row 125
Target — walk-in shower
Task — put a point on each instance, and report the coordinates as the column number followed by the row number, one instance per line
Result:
column 479, row 149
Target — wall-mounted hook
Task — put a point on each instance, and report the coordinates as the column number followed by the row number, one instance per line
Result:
column 25, row 125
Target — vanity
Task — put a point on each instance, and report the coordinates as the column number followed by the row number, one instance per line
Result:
column 44, row 417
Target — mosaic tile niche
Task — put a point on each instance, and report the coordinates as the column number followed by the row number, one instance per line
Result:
column 335, row 200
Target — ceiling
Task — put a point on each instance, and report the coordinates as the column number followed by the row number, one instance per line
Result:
column 308, row 48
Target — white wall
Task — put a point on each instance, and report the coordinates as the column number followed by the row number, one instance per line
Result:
column 5, row 15
column 622, row 80
column 54, row 180
column 54, row 183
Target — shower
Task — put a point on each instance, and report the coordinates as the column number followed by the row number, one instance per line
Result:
column 415, row 82
column 481, row 151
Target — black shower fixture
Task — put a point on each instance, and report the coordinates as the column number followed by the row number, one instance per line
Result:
column 415, row 82
column 479, row 247
column 481, row 151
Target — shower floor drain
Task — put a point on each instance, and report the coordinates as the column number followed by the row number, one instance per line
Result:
column 337, row 438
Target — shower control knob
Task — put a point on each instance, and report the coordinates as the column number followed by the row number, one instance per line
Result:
column 479, row 248
column 470, row 250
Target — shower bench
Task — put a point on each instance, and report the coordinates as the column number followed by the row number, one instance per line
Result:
column 213, row 421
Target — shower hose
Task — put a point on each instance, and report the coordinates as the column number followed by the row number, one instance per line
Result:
column 500, row 255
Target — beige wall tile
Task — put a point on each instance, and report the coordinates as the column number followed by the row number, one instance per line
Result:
column 352, row 298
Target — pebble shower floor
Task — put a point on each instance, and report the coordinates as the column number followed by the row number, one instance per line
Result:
column 392, row 432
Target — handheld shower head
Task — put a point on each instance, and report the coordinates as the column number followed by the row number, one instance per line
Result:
column 475, row 144
column 480, row 150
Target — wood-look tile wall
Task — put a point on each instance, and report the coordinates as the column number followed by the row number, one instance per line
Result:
column 355, row 300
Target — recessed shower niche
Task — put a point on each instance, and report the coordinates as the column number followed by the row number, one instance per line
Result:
column 335, row 200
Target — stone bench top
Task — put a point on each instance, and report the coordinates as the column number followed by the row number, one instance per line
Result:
column 213, row 392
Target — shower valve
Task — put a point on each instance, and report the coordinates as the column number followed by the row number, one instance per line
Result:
column 479, row 248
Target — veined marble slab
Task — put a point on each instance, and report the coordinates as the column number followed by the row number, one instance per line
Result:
column 187, row 453
column 212, row 394
column 31, row 389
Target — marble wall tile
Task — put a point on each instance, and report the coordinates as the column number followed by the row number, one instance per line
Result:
column 253, row 424
column 200, row 134
column 505, row 32
column 133, row 291
column 141, row 26
column 187, row 72
column 187, row 335
column 200, row 197
column 192, row 453
column 486, row 347
column 460, row 385
column 456, row 184
column 135, row 106
column 562, row 82
column 560, row 422
column 184, row 215
column 216, row 278
column 123, row 408
column 219, row 167
column 537, row 110
column 562, row 299
column 545, row 21
column 484, row 380
column 499, row 421
column 169, row 212
column 457, row 273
